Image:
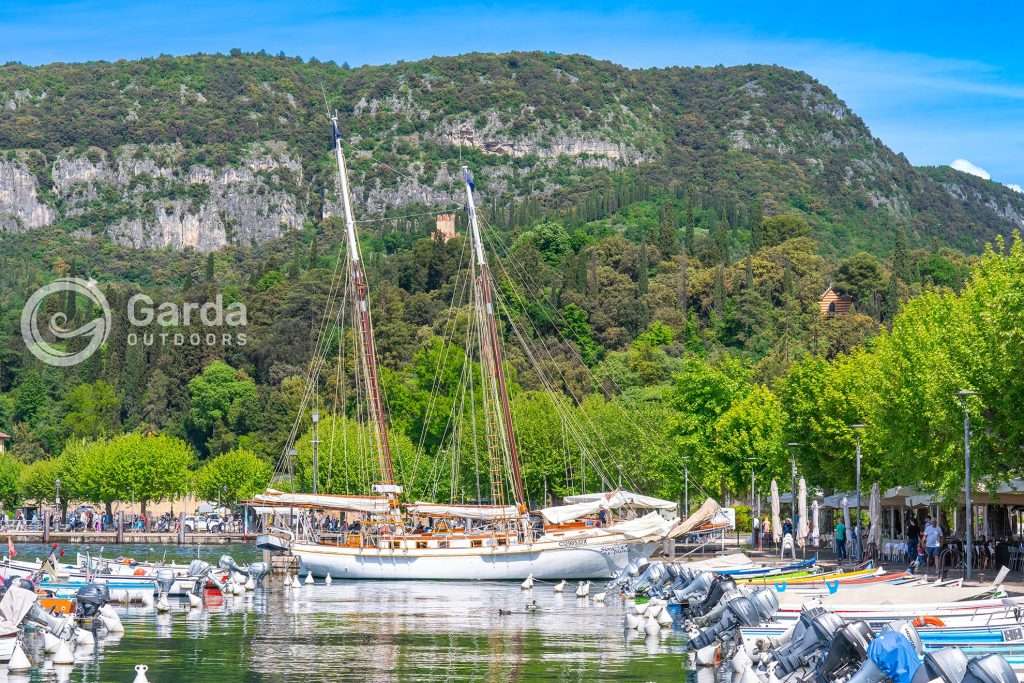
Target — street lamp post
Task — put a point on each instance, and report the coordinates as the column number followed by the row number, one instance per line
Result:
column 857, row 429
column 963, row 395
column 57, row 503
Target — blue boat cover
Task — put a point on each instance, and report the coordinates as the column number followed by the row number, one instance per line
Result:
column 894, row 655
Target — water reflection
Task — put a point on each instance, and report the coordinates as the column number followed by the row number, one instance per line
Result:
column 382, row 631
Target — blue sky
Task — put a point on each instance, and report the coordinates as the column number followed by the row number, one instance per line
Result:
column 936, row 81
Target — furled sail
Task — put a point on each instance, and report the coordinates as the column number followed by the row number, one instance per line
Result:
column 624, row 498
column 368, row 504
column 478, row 512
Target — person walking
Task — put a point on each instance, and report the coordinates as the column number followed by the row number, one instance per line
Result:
column 932, row 542
column 767, row 527
column 840, row 536
column 913, row 536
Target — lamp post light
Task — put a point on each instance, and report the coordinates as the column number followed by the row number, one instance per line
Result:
column 857, row 428
column 963, row 395
column 57, row 502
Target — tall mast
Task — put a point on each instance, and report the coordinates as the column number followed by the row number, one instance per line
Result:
column 491, row 342
column 361, row 305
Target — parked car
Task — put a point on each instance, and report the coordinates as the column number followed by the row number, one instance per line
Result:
column 204, row 523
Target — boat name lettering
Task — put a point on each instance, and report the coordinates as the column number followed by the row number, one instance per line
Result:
column 614, row 549
column 572, row 542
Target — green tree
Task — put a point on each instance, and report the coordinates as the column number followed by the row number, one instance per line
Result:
column 91, row 410
column 38, row 481
column 10, row 493
column 231, row 477
column 218, row 397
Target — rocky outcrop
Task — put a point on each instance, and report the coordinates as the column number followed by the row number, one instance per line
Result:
column 165, row 201
column 20, row 206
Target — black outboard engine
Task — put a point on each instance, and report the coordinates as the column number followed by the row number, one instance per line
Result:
column 816, row 637
column 989, row 669
column 719, row 587
column 90, row 598
column 739, row 612
column 949, row 665
column 846, row 653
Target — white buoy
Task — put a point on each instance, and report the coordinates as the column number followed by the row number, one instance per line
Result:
column 295, row 582
column 560, row 586
column 19, row 660
column 194, row 601
column 600, row 596
column 632, row 621
column 309, row 578
column 63, row 654
column 652, row 626
column 237, row 589
column 162, row 605
column 250, row 584
column 51, row 643
column 140, row 673
column 328, row 580
column 583, row 589
column 83, row 637
column 147, row 599
column 664, row 618
column 528, row 583
column 652, row 609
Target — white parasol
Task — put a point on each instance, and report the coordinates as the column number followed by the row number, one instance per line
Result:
column 776, row 515
column 815, row 529
column 875, row 513
column 802, row 530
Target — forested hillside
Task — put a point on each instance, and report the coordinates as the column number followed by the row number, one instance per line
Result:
column 666, row 235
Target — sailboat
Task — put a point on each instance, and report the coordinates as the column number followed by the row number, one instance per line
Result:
column 495, row 541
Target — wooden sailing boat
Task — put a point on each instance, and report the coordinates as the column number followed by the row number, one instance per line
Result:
column 506, row 544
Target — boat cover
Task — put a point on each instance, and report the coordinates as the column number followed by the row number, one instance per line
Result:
column 708, row 515
column 629, row 498
column 481, row 512
column 894, row 656
column 592, row 503
column 15, row 605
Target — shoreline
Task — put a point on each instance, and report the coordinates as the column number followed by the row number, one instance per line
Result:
column 126, row 537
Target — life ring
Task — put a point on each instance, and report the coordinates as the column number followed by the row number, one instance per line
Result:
column 928, row 620
column 140, row 572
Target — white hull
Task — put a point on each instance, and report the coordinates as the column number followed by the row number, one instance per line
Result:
column 553, row 560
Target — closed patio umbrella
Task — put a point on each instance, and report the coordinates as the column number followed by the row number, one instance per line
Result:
column 776, row 515
column 802, row 530
column 815, row 528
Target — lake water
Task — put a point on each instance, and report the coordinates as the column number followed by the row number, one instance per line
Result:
column 371, row 631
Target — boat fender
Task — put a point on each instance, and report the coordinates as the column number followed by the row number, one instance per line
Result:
column 832, row 586
column 781, row 587
column 19, row 660
column 928, row 620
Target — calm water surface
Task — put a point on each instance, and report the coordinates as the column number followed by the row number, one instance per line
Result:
column 372, row 631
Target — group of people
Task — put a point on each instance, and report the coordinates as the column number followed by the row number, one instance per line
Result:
column 765, row 536
column 923, row 545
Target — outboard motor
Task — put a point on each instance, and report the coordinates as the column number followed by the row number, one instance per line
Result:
column 846, row 652
column 90, row 598
column 257, row 571
column 165, row 580
column 61, row 628
column 989, row 669
column 739, row 612
column 719, row 587
column 198, row 567
column 652, row 578
column 700, row 585
column 816, row 637
column 766, row 602
column 949, row 665
column 227, row 562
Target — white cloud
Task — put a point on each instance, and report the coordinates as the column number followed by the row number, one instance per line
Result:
column 1015, row 187
column 967, row 167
